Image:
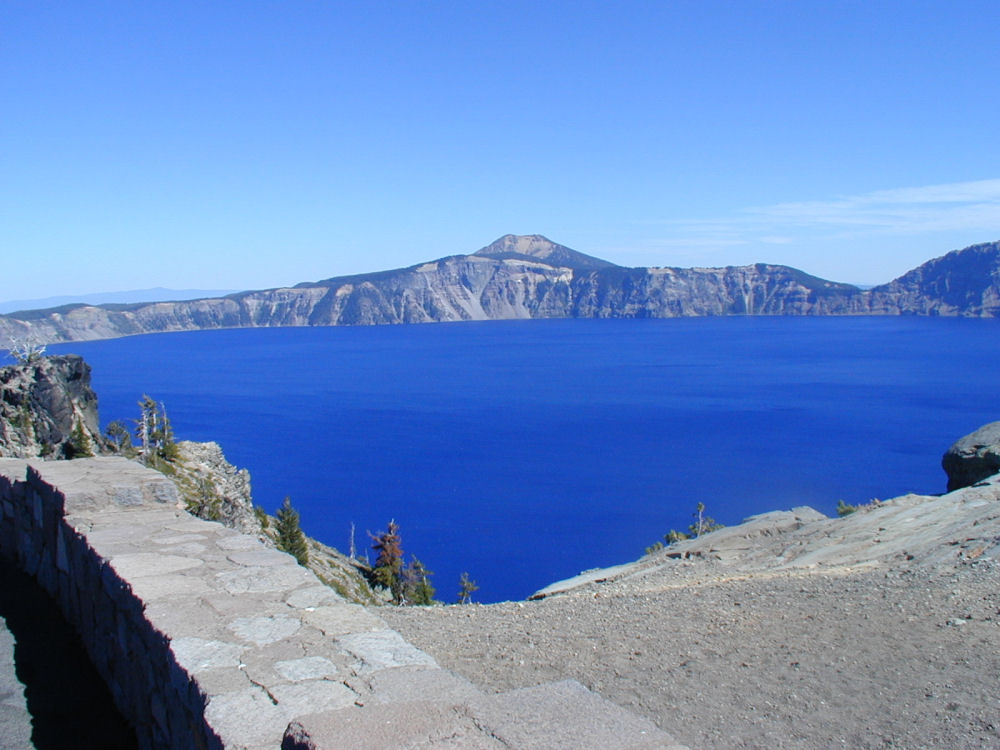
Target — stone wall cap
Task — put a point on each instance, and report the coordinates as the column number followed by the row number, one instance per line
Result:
column 107, row 481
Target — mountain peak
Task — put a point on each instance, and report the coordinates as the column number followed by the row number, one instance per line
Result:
column 538, row 248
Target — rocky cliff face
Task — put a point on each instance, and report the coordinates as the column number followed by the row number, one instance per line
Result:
column 964, row 282
column 531, row 277
column 42, row 402
column 213, row 488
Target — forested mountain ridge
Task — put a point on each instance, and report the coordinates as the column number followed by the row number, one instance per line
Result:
column 532, row 277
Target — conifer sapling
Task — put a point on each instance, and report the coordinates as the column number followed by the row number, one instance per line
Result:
column 389, row 563
column 466, row 587
column 290, row 538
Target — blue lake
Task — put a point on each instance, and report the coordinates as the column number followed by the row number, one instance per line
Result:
column 526, row 451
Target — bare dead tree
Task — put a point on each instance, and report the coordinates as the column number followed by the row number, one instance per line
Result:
column 26, row 349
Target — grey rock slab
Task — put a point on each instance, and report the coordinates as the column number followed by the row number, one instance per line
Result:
column 111, row 541
column 191, row 549
column 314, row 643
column 222, row 680
column 143, row 564
column 173, row 539
column 342, row 618
column 264, row 630
column 185, row 618
column 153, row 588
column 259, row 661
column 185, row 523
column 230, row 606
column 313, row 696
column 247, row 718
column 198, row 655
column 106, row 530
column 306, row 668
column 95, row 483
column 265, row 579
column 405, row 684
column 566, row 716
column 402, row 726
column 261, row 556
column 383, row 649
column 238, row 541
column 312, row 597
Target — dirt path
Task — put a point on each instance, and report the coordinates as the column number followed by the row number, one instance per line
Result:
column 885, row 657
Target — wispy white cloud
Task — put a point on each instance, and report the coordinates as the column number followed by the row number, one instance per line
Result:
column 961, row 206
column 869, row 237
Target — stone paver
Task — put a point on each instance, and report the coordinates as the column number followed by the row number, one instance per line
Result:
column 454, row 714
column 382, row 649
column 402, row 726
column 566, row 716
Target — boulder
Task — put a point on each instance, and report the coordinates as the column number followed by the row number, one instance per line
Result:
column 973, row 458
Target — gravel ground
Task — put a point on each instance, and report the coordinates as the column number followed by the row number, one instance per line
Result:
column 876, row 657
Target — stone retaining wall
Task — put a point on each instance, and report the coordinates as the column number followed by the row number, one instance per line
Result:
column 206, row 638
column 39, row 533
column 209, row 639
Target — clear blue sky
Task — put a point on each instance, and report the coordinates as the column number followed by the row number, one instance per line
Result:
column 256, row 144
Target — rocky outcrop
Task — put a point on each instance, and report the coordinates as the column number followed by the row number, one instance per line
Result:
column 209, row 483
column 933, row 532
column 973, row 458
column 532, row 277
column 42, row 402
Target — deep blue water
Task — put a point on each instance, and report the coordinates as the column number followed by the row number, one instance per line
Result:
column 526, row 451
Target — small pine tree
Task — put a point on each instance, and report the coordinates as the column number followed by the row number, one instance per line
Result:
column 417, row 583
column 203, row 500
column 388, row 569
column 119, row 438
column 167, row 445
column 79, row 442
column 466, row 587
column 290, row 537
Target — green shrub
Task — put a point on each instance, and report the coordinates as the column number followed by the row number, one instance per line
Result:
column 845, row 509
